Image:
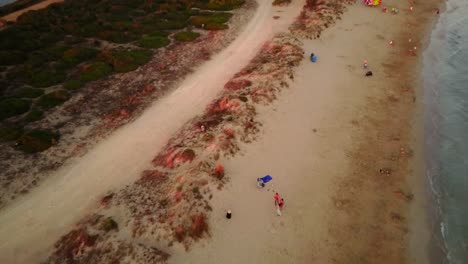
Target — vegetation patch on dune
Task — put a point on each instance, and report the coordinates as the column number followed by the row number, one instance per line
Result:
column 184, row 36
column 28, row 92
column 95, row 71
column 154, row 41
column 53, row 99
column 13, row 106
column 37, row 140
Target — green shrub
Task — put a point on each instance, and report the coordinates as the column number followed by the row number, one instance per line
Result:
column 8, row 132
column 95, row 71
column 34, row 115
column 13, row 106
column 37, row 140
column 227, row 5
column 46, row 78
column 129, row 60
column 120, row 37
column 76, row 55
column 53, row 99
column 153, row 42
column 38, row 59
column 11, row 57
column 186, row 36
column 27, row 92
column 170, row 25
column 73, row 84
column 20, row 73
column 109, row 224
column 211, row 22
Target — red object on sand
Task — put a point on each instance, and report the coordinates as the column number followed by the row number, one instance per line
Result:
column 229, row 132
column 219, row 170
column 277, row 198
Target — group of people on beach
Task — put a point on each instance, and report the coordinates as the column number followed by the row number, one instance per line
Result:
column 279, row 202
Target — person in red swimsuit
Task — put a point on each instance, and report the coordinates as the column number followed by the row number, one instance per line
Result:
column 277, row 198
column 281, row 204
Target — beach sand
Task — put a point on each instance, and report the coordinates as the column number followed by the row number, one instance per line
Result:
column 324, row 142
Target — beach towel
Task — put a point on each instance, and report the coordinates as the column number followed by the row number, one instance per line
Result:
column 266, row 179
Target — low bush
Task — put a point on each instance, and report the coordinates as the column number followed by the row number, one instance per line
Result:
column 184, row 36
column 129, row 60
column 109, row 224
column 11, row 57
column 220, row 5
column 76, row 55
column 9, row 132
column 153, row 42
column 37, row 140
column 53, row 99
column 95, row 71
column 213, row 21
column 73, row 84
column 12, row 107
column 47, row 77
column 34, row 115
column 28, row 92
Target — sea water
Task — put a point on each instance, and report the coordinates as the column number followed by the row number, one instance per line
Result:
column 445, row 82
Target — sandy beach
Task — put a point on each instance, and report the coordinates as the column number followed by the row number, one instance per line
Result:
column 341, row 148
column 315, row 138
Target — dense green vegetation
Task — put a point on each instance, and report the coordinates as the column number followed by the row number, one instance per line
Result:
column 49, row 54
column 13, row 106
column 37, row 140
column 186, row 36
column 28, row 92
column 53, row 99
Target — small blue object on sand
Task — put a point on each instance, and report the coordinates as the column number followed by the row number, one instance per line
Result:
column 313, row 57
column 266, row 179
column 261, row 181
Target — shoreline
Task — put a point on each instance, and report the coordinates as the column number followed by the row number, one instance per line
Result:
column 423, row 213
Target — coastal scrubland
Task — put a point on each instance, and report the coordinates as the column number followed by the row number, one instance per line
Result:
column 64, row 67
column 49, row 54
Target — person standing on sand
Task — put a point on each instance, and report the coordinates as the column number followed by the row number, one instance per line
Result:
column 277, row 198
column 281, row 204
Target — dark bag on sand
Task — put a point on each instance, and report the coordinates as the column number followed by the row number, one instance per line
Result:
column 369, row 73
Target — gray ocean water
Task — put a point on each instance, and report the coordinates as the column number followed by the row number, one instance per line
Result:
column 445, row 75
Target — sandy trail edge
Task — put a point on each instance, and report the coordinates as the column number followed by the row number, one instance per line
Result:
column 13, row 16
column 35, row 221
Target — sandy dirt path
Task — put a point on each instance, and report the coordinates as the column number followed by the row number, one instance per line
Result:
column 30, row 225
column 13, row 16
